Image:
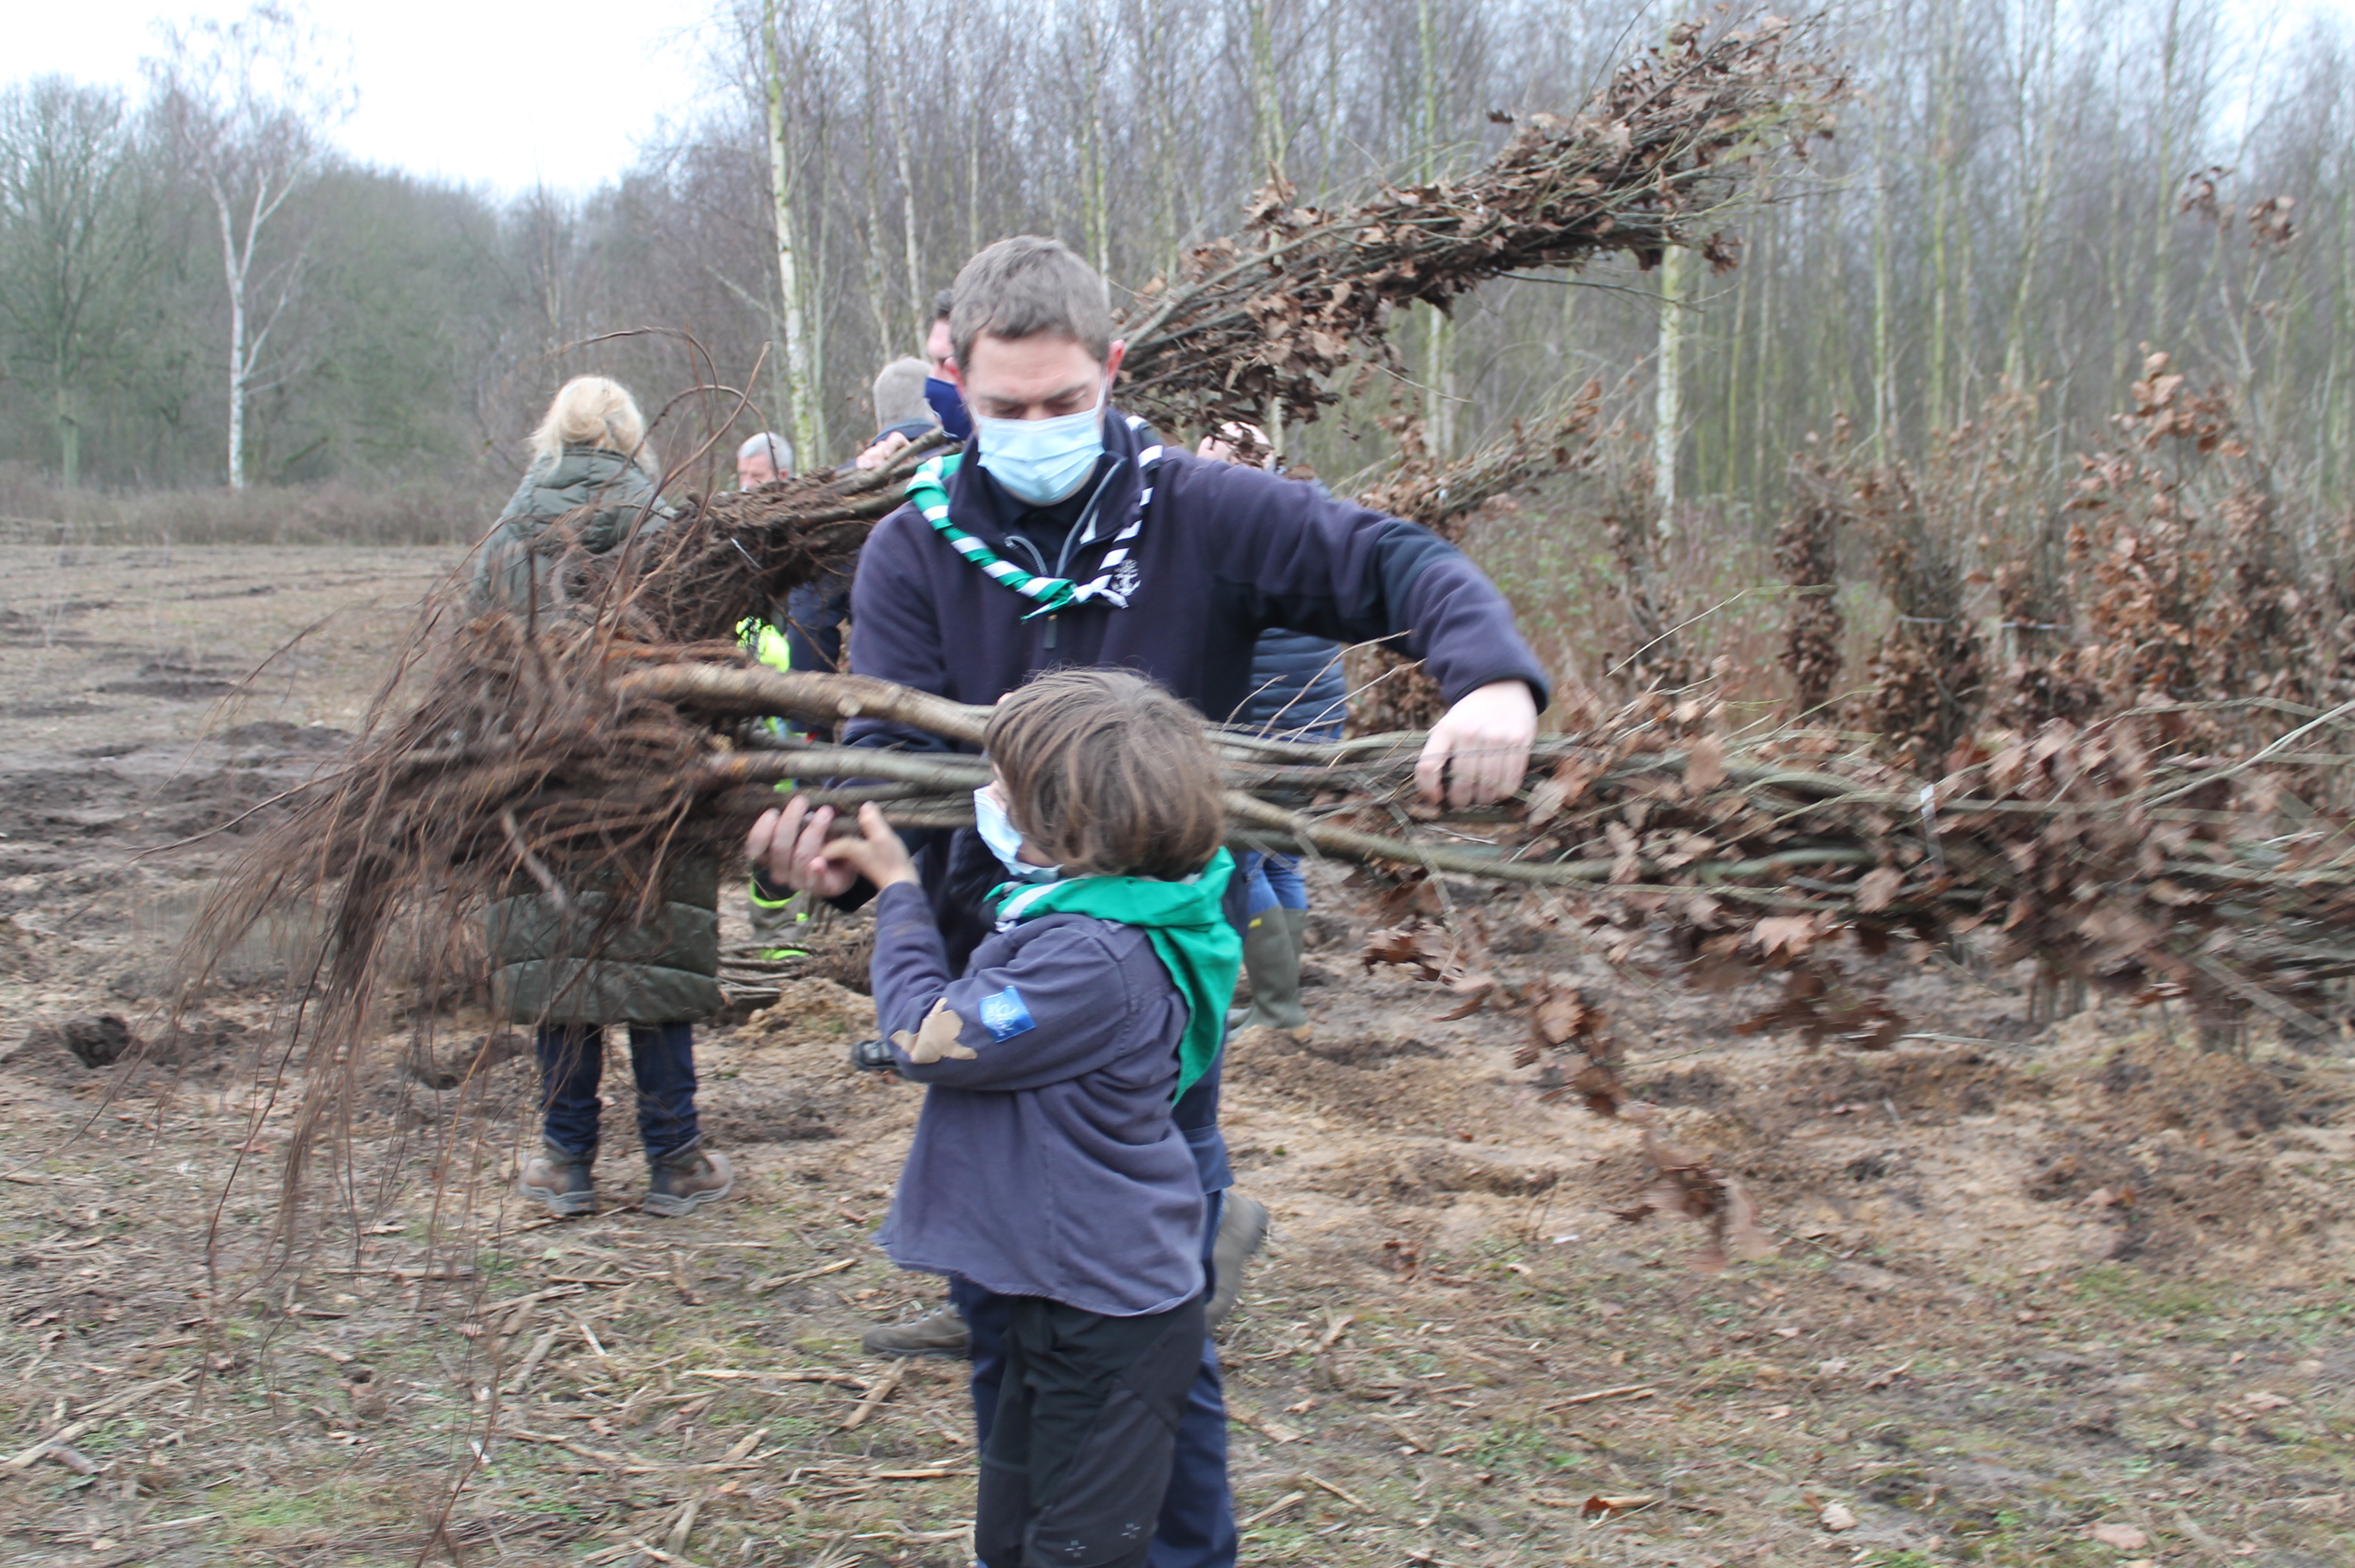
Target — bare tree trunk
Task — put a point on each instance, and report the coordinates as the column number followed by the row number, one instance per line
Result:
column 1942, row 178
column 799, row 394
column 1439, row 401
column 1098, row 211
column 2338, row 435
column 916, row 289
column 2016, row 366
column 882, row 299
column 1668, row 389
column 234, row 269
column 973, row 98
column 1884, row 391
column 1267, row 101
column 2163, row 217
column 68, row 438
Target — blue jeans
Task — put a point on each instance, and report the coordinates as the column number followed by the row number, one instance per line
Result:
column 1275, row 882
column 662, row 1057
column 1196, row 1529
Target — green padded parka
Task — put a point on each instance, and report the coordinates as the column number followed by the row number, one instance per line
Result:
column 600, row 967
column 587, row 963
column 619, row 492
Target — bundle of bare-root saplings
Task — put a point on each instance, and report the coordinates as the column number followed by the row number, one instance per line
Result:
column 597, row 735
column 602, row 733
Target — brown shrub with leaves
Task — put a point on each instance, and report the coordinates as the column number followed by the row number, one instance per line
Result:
column 1652, row 655
column 1928, row 679
column 2042, row 680
column 1807, row 552
column 2186, row 586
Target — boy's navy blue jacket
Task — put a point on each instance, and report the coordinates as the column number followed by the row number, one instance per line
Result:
column 1046, row 1161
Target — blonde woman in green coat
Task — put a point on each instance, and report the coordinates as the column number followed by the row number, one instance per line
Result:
column 570, row 968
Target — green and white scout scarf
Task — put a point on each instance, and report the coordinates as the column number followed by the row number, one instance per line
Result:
column 1190, row 935
column 1114, row 581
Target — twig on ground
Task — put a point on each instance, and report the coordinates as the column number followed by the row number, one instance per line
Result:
column 881, row 1390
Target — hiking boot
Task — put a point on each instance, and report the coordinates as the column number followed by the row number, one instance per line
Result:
column 559, row 1181
column 1243, row 1230
column 688, row 1180
column 941, row 1334
column 1271, row 957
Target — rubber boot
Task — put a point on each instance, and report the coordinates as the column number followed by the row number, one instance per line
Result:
column 775, row 923
column 941, row 1334
column 1272, row 958
column 685, row 1181
column 561, row 1181
column 1243, row 1230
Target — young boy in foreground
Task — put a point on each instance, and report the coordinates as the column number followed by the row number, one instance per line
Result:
column 1046, row 1167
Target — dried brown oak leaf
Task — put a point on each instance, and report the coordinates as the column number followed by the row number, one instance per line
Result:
column 1791, row 935
column 1424, row 948
column 1877, row 888
column 1689, row 1186
column 1704, row 766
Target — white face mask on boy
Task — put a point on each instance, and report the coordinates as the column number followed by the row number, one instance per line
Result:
column 1005, row 840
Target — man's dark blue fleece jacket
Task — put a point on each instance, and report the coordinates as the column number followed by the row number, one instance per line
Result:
column 1223, row 553
column 1046, row 1161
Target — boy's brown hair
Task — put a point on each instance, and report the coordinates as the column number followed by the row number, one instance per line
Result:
column 1107, row 775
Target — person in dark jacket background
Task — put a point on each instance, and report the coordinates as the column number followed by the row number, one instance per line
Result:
column 1048, row 1176
column 571, row 963
column 1299, row 692
column 938, row 391
column 1069, row 535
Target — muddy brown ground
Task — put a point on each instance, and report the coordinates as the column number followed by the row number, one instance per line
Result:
column 2067, row 1294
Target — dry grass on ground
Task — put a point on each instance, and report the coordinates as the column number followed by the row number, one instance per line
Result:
column 2073, row 1296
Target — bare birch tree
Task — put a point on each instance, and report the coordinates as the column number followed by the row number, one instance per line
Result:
column 248, row 105
column 800, row 396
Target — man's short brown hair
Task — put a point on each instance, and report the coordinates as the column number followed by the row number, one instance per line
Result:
column 1107, row 775
column 1027, row 286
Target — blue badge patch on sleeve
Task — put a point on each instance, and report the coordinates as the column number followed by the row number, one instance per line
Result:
column 1004, row 1016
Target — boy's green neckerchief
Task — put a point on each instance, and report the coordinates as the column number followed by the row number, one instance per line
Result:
column 1188, row 924
column 929, row 490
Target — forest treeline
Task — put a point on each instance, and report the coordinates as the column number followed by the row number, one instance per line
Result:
column 2022, row 195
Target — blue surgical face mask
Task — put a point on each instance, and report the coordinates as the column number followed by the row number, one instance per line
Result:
column 1005, row 840
column 948, row 407
column 1042, row 461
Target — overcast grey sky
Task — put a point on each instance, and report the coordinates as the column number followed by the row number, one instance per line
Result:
column 499, row 92
column 507, row 92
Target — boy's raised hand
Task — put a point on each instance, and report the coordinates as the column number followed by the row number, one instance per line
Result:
column 876, row 853
column 788, row 849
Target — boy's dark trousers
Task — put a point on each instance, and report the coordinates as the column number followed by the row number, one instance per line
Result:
column 1196, row 1524
column 1077, row 1460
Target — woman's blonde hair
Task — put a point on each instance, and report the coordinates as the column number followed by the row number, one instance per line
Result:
column 594, row 411
column 1108, row 774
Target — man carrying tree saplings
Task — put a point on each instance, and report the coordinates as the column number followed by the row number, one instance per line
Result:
column 1048, row 1166
column 1066, row 534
